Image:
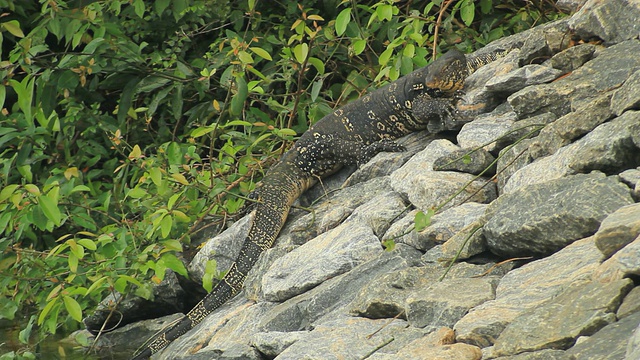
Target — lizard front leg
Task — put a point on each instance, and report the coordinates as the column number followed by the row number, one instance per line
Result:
column 439, row 114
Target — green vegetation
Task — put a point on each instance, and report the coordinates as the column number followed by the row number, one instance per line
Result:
column 126, row 125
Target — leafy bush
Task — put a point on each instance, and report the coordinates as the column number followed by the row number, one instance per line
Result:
column 125, row 125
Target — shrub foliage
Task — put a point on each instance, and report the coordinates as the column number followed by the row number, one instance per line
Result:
column 125, row 125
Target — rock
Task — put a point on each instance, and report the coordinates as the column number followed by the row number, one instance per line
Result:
column 609, row 70
column 471, row 161
column 609, row 343
column 525, row 288
column 542, row 218
column 522, row 77
column 386, row 295
column 253, row 283
column 402, row 232
column 426, row 188
column 477, row 98
column 338, row 338
column 124, row 341
column 571, row 126
column 627, row 96
column 328, row 255
column 580, row 310
column 623, row 263
column 168, row 298
column 385, row 163
column 273, row 343
column 486, row 130
column 224, row 334
column 594, row 21
column 547, row 354
column 466, row 243
column 512, row 158
column 379, row 212
column 618, row 229
column 525, row 129
column 444, row 303
column 332, row 211
column 631, row 177
column 417, row 351
column 443, row 226
column 633, row 347
column 446, row 224
column 608, row 148
column 573, row 57
column 333, row 295
column 630, row 304
column 223, row 248
column 570, row 6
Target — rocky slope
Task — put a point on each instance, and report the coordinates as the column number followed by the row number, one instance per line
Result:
column 547, row 249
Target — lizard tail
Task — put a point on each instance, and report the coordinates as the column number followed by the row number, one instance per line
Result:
column 276, row 193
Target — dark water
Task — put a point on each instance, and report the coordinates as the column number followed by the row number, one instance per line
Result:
column 51, row 348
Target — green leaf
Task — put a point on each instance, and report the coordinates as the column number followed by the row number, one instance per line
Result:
column 47, row 308
column 423, row 220
column 73, row 262
column 3, row 92
column 165, row 225
column 25, row 334
column 160, row 6
column 156, row 176
column 73, row 308
column 13, row 27
column 126, row 98
column 8, row 308
column 317, row 63
column 300, row 52
column 261, row 52
column 88, row 243
column 315, row 89
column 245, row 57
column 7, row 191
column 385, row 56
column 50, row 209
column 161, row 95
column 342, row 20
column 389, row 245
column 174, row 153
column 486, row 6
column 95, row 285
column 172, row 245
column 201, row 131
column 467, row 11
column 138, row 8
column 136, row 193
column 237, row 101
column 177, row 101
column 210, row 271
column 173, row 199
column 409, row 50
column 4, row 221
column 173, row 263
column 385, row 12
column 79, row 188
column 359, row 46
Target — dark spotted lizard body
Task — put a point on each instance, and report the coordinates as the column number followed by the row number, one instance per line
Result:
column 352, row 134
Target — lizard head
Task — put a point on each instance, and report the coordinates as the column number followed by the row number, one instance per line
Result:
column 446, row 75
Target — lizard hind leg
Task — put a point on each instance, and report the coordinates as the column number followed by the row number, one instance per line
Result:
column 321, row 158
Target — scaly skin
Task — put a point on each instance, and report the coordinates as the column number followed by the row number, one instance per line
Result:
column 353, row 134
